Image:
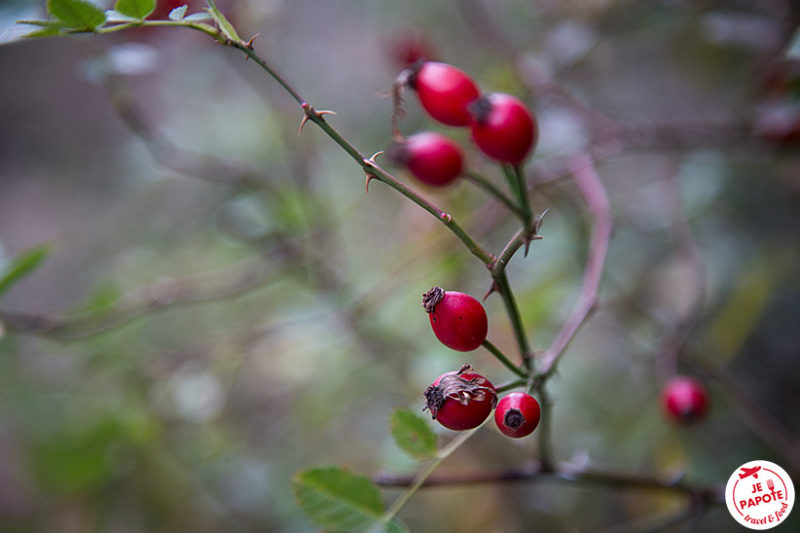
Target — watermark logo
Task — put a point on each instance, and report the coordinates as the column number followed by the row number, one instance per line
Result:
column 760, row 495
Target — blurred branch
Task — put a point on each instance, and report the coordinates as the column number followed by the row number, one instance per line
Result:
column 566, row 472
column 163, row 294
column 169, row 155
column 594, row 194
column 678, row 333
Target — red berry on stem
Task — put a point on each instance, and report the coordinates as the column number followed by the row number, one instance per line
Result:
column 460, row 400
column 431, row 157
column 503, row 128
column 684, row 400
column 517, row 414
column 458, row 320
column 445, row 92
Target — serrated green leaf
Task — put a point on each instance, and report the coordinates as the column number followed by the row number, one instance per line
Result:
column 412, row 434
column 77, row 14
column 225, row 26
column 138, row 9
column 178, row 13
column 338, row 500
column 22, row 265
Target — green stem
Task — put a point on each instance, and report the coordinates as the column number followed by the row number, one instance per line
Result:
column 495, row 351
column 511, row 386
column 545, row 431
column 512, row 310
column 368, row 165
column 517, row 175
column 490, row 187
column 420, row 478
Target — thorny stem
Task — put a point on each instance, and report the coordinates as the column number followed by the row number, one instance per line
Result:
column 503, row 359
column 368, row 165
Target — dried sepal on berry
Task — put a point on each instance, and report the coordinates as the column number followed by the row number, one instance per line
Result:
column 454, row 386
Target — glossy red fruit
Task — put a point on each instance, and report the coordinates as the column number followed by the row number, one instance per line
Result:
column 684, row 400
column 504, row 128
column 445, row 92
column 458, row 320
column 431, row 157
column 460, row 400
column 517, row 414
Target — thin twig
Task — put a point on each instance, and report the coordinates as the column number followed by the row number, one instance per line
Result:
column 594, row 194
column 166, row 293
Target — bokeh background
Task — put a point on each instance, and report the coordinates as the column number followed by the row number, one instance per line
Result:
column 224, row 305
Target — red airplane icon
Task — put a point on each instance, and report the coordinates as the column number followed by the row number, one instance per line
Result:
column 747, row 472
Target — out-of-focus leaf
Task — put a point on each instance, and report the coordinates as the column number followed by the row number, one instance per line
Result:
column 738, row 318
column 22, row 265
column 197, row 17
column 412, row 434
column 77, row 14
column 223, row 23
column 338, row 500
column 137, row 9
column 793, row 50
column 178, row 13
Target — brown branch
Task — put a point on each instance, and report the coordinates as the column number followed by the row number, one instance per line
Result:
column 565, row 472
column 596, row 199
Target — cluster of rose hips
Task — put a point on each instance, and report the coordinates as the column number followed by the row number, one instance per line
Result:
column 464, row 399
column 502, row 127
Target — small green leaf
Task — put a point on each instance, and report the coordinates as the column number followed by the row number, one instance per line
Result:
column 138, row 9
column 225, row 26
column 178, row 13
column 412, row 434
column 44, row 32
column 23, row 264
column 338, row 500
column 77, row 14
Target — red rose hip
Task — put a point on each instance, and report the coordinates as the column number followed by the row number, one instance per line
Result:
column 460, row 400
column 503, row 128
column 431, row 157
column 444, row 91
column 684, row 400
column 517, row 414
column 458, row 320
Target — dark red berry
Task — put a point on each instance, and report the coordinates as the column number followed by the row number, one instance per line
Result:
column 458, row 320
column 431, row 157
column 684, row 400
column 445, row 92
column 517, row 414
column 460, row 400
column 408, row 48
column 503, row 128
column 778, row 121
